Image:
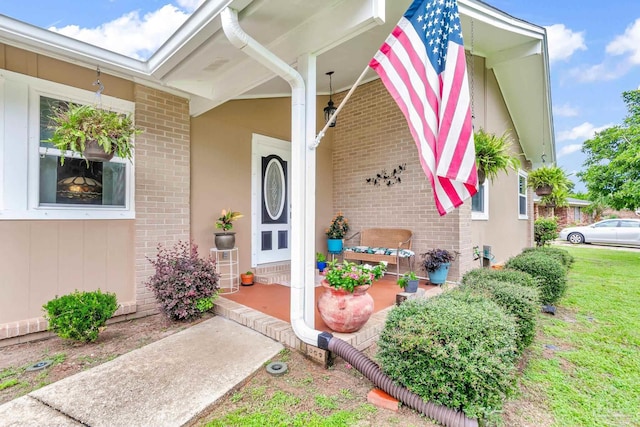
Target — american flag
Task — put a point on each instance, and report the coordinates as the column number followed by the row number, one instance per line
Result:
column 422, row 64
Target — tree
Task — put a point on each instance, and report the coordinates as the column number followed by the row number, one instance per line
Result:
column 612, row 167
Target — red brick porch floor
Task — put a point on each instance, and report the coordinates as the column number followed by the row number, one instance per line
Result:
column 265, row 308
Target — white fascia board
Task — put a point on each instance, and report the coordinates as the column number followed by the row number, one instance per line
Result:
column 517, row 52
column 499, row 19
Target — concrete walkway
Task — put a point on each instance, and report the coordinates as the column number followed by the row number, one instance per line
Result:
column 167, row 383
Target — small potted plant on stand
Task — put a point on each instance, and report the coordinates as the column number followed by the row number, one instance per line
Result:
column 346, row 306
column 436, row 263
column 492, row 155
column 321, row 262
column 95, row 133
column 226, row 239
column 246, row 278
column 409, row 282
column 336, row 232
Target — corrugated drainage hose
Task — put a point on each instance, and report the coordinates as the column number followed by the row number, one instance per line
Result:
column 445, row 416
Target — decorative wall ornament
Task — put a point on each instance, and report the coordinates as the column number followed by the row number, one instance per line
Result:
column 388, row 179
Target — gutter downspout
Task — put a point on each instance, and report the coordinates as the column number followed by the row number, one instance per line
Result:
column 255, row 50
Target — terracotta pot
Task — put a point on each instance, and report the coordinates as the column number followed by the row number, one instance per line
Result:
column 344, row 311
column 246, row 279
column 95, row 152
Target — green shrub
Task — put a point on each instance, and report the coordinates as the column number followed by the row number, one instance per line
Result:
column 505, row 275
column 183, row 282
column 456, row 349
column 560, row 254
column 80, row 315
column 521, row 302
column 552, row 274
column 545, row 230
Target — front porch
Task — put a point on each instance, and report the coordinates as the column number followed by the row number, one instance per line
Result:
column 265, row 309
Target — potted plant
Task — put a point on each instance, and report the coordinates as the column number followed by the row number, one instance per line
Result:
column 321, row 261
column 409, row 282
column 345, row 306
column 492, row 155
column 436, row 263
column 95, row 133
column 336, row 232
column 226, row 239
column 547, row 178
column 246, row 278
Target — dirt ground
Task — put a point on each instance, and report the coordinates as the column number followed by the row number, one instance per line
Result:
column 304, row 379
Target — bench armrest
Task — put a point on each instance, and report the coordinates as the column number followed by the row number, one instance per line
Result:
column 406, row 242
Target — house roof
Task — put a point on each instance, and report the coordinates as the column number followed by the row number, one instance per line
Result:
column 199, row 62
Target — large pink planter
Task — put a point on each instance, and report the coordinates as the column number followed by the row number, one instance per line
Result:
column 344, row 311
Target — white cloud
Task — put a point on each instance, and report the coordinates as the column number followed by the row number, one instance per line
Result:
column 563, row 42
column 601, row 72
column 584, row 131
column 565, row 110
column 132, row 35
column 627, row 43
column 569, row 149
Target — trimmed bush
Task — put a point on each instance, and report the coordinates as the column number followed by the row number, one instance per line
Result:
column 456, row 349
column 183, row 284
column 80, row 315
column 545, row 230
column 552, row 274
column 505, row 275
column 560, row 254
column 521, row 302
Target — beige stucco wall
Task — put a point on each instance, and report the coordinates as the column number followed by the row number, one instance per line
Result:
column 41, row 259
column 503, row 231
column 221, row 167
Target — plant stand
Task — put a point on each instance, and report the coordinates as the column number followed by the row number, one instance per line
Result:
column 227, row 267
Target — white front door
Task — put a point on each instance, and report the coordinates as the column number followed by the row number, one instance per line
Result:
column 271, row 201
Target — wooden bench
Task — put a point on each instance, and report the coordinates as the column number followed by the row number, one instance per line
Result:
column 381, row 244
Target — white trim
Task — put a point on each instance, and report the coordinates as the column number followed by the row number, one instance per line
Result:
column 523, row 174
column 484, row 215
column 21, row 121
column 1, row 143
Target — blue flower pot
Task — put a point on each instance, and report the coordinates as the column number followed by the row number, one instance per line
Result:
column 334, row 246
column 439, row 276
column 412, row 286
column 321, row 265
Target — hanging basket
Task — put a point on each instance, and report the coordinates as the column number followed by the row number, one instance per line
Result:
column 544, row 190
column 95, row 153
column 481, row 176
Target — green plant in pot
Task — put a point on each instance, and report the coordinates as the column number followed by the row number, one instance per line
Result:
column 336, row 232
column 436, row 263
column 493, row 155
column 95, row 133
column 226, row 239
column 409, row 281
column 547, row 179
column 247, row 278
column 321, row 261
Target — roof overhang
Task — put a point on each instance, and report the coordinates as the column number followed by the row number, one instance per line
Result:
column 198, row 61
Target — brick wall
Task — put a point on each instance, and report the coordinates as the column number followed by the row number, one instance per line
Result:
column 162, row 182
column 371, row 136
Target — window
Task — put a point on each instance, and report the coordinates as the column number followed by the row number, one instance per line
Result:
column 522, row 195
column 480, row 203
column 577, row 214
column 36, row 185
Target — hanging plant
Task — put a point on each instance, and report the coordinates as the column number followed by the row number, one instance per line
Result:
column 83, row 128
column 493, row 155
column 548, row 180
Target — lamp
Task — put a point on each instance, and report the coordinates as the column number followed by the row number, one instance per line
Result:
column 330, row 109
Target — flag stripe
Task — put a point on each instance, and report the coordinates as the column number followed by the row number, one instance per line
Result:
column 423, row 66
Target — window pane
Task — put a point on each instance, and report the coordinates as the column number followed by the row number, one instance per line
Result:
column 477, row 200
column 46, row 109
column 76, row 184
column 522, row 185
column 523, row 205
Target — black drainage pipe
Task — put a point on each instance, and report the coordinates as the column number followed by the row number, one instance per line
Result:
column 445, row 416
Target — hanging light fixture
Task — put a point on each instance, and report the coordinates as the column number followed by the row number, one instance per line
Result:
column 330, row 109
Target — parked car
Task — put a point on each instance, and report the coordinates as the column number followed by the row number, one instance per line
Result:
column 613, row 231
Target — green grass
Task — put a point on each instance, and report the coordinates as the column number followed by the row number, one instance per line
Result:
column 593, row 379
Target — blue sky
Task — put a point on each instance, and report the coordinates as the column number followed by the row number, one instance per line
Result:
column 594, row 47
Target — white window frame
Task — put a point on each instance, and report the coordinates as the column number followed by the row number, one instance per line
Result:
column 19, row 98
column 523, row 174
column 482, row 215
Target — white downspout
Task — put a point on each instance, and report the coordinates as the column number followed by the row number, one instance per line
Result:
column 255, row 50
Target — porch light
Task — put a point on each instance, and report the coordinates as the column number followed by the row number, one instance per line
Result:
column 330, row 109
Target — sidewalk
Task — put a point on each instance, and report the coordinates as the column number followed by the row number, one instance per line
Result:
column 167, row 383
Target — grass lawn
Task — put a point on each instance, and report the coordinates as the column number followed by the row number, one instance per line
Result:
column 587, row 358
